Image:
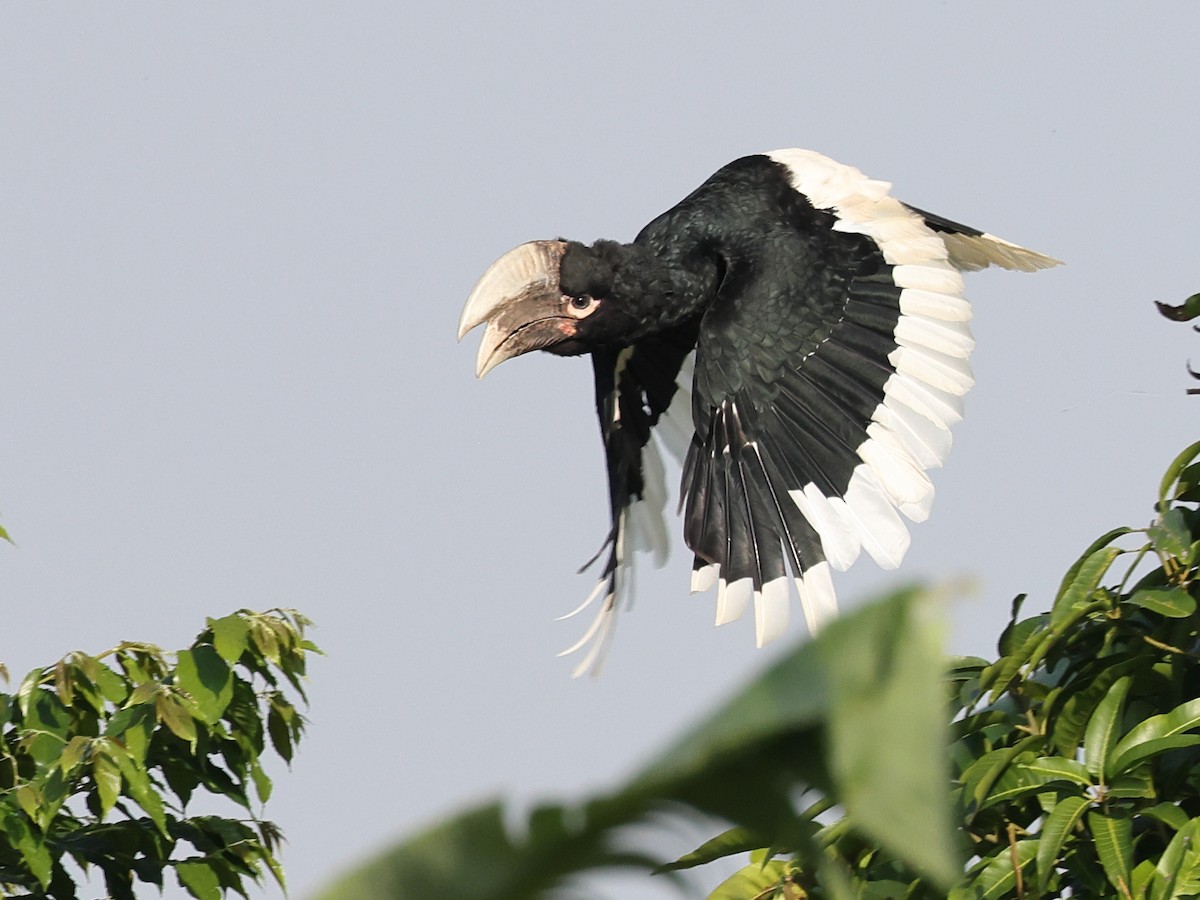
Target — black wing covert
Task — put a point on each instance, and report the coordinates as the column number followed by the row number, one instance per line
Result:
column 828, row 371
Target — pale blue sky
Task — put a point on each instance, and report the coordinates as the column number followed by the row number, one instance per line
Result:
column 236, row 239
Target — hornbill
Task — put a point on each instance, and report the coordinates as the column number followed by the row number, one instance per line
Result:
column 795, row 336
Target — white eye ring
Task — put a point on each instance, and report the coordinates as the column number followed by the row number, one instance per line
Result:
column 581, row 305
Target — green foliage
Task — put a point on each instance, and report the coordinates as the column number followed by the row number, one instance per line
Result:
column 100, row 756
column 1075, row 757
column 1076, row 753
column 870, row 689
column 1076, row 750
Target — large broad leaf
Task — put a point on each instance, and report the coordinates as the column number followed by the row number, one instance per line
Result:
column 727, row 843
column 1171, row 535
column 207, row 679
column 1085, row 576
column 1056, row 829
column 888, row 734
column 754, row 880
column 1175, row 470
column 869, row 689
column 474, row 855
column 1113, row 838
column 1101, row 734
column 875, row 681
column 996, row 876
column 1176, row 872
column 1174, row 603
column 1157, row 734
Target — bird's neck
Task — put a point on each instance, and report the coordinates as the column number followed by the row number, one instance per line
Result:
column 664, row 287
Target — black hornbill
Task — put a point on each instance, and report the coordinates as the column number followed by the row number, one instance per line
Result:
column 796, row 336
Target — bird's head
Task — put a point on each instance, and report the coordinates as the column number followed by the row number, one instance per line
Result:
column 546, row 295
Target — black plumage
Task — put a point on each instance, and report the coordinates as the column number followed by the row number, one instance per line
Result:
column 796, row 336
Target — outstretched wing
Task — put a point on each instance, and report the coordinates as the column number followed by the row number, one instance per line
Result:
column 828, row 373
column 643, row 401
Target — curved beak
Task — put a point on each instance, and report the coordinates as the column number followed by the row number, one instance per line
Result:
column 520, row 300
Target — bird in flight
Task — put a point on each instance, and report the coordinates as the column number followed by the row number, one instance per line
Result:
column 791, row 333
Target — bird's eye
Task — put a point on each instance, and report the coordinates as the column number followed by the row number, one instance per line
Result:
column 581, row 305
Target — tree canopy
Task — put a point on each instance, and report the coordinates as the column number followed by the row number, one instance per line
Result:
column 101, row 756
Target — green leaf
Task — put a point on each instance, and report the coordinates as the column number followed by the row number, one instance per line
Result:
column 1141, row 877
column 140, row 788
column 73, row 753
column 878, row 675
column 204, row 675
column 888, row 734
column 1019, row 780
column 1085, row 577
column 1068, row 727
column 1174, row 603
column 474, row 855
column 198, row 879
column 1175, row 471
column 1113, row 838
column 172, row 713
column 262, row 784
column 1101, row 734
column 34, row 852
column 752, row 881
column 1058, row 768
column 133, row 726
column 1187, row 488
column 1058, row 826
column 107, row 778
column 1135, row 784
column 883, row 889
column 46, row 717
column 1177, row 862
column 997, row 877
column 279, row 728
column 1171, row 535
column 144, row 693
column 230, row 636
column 265, row 640
column 54, row 789
column 1169, row 814
column 1139, row 752
column 1156, row 734
column 728, row 843
column 29, row 799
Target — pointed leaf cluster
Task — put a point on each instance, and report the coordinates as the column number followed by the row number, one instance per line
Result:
column 101, row 755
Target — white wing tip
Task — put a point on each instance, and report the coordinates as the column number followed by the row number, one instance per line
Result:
column 732, row 599
column 771, row 611
column 704, row 578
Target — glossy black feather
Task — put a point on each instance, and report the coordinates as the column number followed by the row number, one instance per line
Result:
column 817, row 397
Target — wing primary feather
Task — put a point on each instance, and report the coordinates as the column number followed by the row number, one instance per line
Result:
column 805, row 464
column 770, row 616
column 704, row 575
column 818, row 354
column 738, row 558
column 939, row 407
